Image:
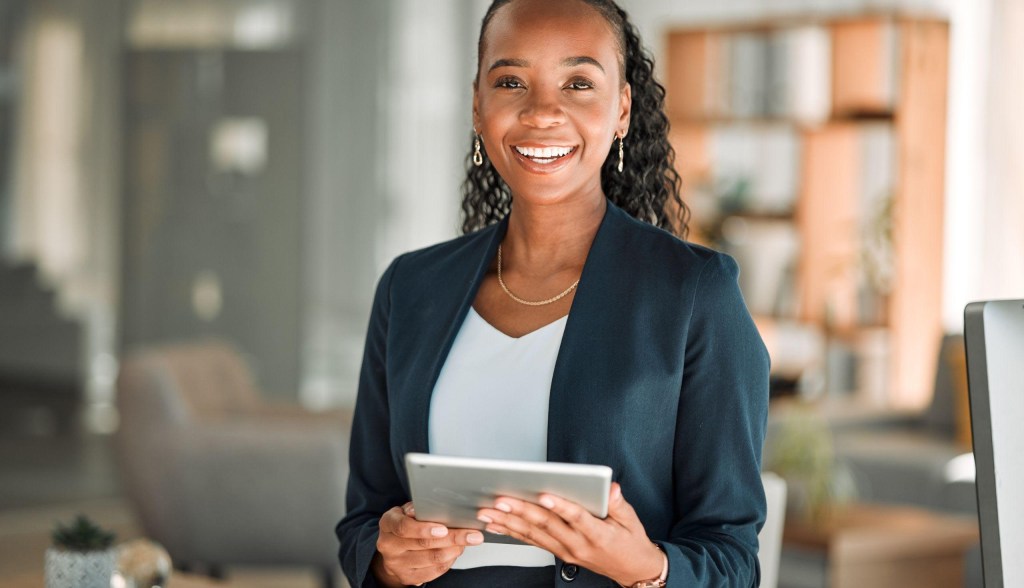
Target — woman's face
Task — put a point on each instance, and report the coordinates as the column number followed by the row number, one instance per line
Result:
column 549, row 98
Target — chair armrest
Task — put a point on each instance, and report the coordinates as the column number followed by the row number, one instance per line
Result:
column 263, row 491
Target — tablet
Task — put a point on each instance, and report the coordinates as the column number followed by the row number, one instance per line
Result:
column 450, row 490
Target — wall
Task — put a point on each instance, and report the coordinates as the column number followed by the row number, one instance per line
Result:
column 65, row 199
column 985, row 206
column 348, row 61
column 390, row 100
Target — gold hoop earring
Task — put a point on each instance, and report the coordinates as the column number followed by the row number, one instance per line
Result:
column 622, row 154
column 478, row 158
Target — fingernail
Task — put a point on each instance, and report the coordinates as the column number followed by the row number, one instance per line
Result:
column 474, row 539
column 494, row 531
column 503, row 507
column 439, row 531
column 547, row 502
column 484, row 519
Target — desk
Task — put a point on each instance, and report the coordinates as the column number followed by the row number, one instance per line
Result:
column 888, row 546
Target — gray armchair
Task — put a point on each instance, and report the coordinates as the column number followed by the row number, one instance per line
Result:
column 218, row 476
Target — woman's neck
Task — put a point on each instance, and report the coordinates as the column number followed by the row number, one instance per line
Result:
column 543, row 239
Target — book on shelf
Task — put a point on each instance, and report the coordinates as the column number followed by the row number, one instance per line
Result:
column 756, row 74
column 803, row 89
column 765, row 157
column 766, row 252
column 748, row 73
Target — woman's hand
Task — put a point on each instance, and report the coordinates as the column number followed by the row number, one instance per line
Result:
column 411, row 552
column 617, row 547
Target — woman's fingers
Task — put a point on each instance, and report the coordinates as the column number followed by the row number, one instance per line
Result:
column 399, row 532
column 456, row 537
column 465, row 537
column 572, row 513
column 621, row 511
column 396, row 522
column 528, row 522
column 432, row 558
column 564, row 527
column 417, row 551
column 423, row 565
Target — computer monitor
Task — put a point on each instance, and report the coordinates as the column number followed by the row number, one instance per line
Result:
column 994, row 333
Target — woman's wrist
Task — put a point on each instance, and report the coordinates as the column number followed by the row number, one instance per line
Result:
column 649, row 567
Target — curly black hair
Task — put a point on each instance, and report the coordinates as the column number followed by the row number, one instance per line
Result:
column 647, row 188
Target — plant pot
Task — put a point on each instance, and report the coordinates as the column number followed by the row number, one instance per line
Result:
column 79, row 569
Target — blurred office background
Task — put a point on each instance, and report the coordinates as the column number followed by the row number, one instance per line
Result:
column 190, row 172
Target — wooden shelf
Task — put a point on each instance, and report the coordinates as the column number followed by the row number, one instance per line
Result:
column 756, row 215
column 852, row 117
column 870, row 152
column 803, row 20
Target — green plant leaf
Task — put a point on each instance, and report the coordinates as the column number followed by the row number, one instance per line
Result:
column 82, row 535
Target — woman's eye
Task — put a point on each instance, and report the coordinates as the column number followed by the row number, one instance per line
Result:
column 510, row 83
column 580, row 85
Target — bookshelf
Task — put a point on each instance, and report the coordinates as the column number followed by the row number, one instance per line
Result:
column 814, row 150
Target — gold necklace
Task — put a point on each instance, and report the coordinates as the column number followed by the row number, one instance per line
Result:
column 529, row 302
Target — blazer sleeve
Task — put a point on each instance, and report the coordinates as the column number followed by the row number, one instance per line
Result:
column 723, row 410
column 373, row 484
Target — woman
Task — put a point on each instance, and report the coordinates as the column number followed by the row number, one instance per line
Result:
column 566, row 325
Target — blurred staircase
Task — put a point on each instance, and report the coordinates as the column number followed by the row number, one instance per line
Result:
column 40, row 357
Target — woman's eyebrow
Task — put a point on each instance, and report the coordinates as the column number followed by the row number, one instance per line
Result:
column 508, row 63
column 580, row 60
column 567, row 62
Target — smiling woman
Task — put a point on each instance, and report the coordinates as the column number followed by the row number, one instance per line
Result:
column 647, row 185
column 569, row 324
column 539, row 89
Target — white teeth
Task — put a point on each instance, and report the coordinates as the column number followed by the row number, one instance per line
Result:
column 544, row 154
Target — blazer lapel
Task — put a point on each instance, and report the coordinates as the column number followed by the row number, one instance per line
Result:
column 463, row 278
column 596, row 332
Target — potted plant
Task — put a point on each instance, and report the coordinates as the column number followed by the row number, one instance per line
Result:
column 81, row 556
column 801, row 451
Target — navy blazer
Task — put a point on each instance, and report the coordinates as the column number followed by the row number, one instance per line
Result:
column 661, row 375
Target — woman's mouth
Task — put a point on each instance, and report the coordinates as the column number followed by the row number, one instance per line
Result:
column 544, row 155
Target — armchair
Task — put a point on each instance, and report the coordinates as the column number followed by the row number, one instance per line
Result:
column 220, row 477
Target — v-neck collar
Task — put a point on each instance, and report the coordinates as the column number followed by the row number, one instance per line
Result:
column 539, row 330
column 586, row 336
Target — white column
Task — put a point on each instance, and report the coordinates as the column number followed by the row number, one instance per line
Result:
column 389, row 121
column 1003, row 254
column 428, row 125
column 348, row 50
column 966, row 159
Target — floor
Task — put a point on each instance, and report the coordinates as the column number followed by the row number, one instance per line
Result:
column 46, row 477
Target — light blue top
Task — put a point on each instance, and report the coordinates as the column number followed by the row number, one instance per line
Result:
column 491, row 400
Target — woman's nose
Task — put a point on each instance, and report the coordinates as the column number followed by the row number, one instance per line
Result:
column 542, row 111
